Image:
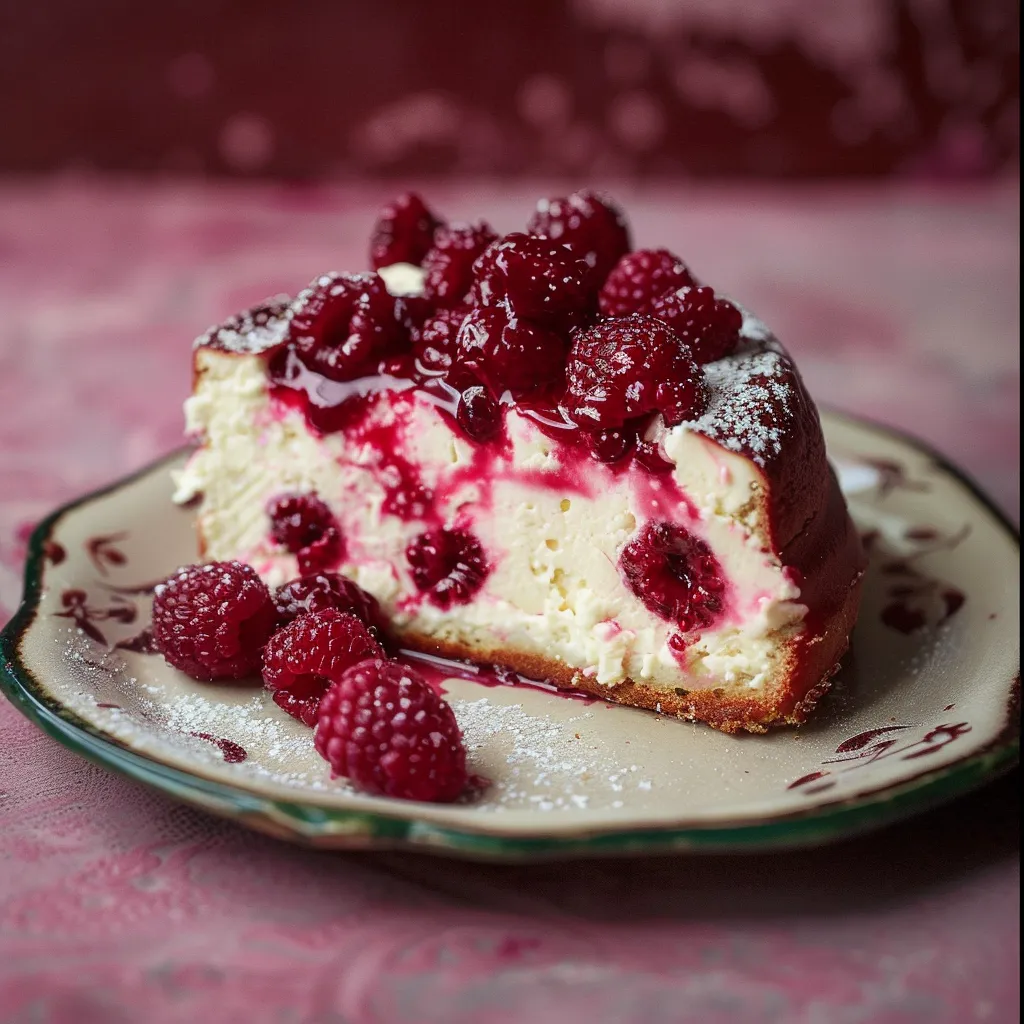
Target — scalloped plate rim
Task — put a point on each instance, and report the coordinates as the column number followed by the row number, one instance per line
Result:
column 308, row 822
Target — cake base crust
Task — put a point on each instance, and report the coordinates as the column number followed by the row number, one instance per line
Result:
column 807, row 669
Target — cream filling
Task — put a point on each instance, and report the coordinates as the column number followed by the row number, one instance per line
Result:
column 554, row 588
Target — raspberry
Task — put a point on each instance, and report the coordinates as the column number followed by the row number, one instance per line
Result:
column 319, row 591
column 449, row 264
column 535, row 279
column 448, row 564
column 384, row 729
column 639, row 278
column 593, row 225
column 435, row 346
column 342, row 324
column 306, row 527
column 403, row 233
column 675, row 575
column 509, row 352
column 412, row 312
column 626, row 367
column 212, row 621
column 309, row 654
column 710, row 327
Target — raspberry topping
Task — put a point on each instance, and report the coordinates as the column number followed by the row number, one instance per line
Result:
column 639, row 278
column 509, row 352
column 384, row 729
column 449, row 264
column 593, row 225
column 404, row 232
column 435, row 346
column 309, row 654
column 626, row 367
column 675, row 575
column 319, row 591
column 536, row 279
column 449, row 565
column 212, row 621
column 306, row 527
column 412, row 312
column 710, row 327
column 342, row 324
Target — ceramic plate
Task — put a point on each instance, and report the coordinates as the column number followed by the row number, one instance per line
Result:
column 925, row 707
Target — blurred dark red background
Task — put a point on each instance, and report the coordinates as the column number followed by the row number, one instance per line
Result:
column 615, row 88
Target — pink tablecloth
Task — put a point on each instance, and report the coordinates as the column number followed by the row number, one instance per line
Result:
column 119, row 905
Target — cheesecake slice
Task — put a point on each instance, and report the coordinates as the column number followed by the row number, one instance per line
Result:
column 544, row 452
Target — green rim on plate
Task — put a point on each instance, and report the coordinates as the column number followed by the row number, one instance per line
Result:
column 330, row 826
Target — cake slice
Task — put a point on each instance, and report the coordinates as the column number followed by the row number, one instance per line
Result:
column 544, row 452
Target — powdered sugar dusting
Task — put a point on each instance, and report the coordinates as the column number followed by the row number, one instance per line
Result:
column 535, row 760
column 539, row 763
column 253, row 331
column 753, row 396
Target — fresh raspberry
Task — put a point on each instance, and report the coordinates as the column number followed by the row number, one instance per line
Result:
column 306, row 527
column 593, row 225
column 412, row 312
column 309, row 654
column 319, row 591
column 385, row 730
column 448, row 564
column 342, row 324
column 212, row 621
column 403, row 233
column 434, row 347
column 509, row 352
column 626, row 367
column 536, row 279
column 675, row 575
column 710, row 327
column 640, row 277
column 449, row 264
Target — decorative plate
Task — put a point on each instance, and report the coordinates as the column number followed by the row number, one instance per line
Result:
column 926, row 706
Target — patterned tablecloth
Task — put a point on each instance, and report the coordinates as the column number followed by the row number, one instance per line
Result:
column 119, row 905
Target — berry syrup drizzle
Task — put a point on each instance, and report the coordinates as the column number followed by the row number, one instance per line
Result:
column 436, row 670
